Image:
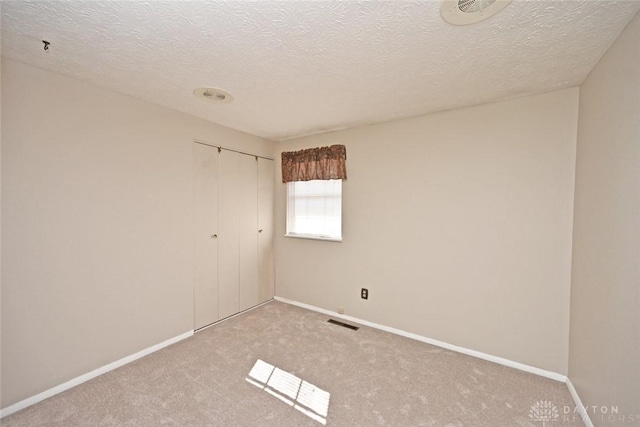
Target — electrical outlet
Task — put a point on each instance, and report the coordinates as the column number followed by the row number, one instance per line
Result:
column 364, row 293
column 340, row 310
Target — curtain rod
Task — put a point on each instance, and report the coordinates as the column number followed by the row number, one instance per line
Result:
column 197, row 141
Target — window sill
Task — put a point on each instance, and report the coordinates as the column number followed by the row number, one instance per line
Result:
column 311, row 237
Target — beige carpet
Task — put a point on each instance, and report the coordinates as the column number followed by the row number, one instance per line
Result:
column 280, row 365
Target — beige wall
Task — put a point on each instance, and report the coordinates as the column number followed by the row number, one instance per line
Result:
column 605, row 289
column 0, row 210
column 459, row 223
column 96, row 226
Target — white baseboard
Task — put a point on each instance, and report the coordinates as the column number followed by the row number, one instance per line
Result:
column 579, row 405
column 480, row 355
column 217, row 322
column 90, row 375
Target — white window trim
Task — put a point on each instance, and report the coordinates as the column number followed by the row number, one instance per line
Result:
column 313, row 237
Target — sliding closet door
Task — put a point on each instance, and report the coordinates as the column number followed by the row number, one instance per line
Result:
column 205, row 186
column 229, row 205
column 248, row 218
column 265, row 229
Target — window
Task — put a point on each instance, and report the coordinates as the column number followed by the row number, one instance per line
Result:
column 314, row 209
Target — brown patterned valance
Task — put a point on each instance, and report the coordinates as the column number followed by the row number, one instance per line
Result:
column 315, row 163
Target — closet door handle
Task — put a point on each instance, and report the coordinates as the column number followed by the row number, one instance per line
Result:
column 214, row 236
column 260, row 231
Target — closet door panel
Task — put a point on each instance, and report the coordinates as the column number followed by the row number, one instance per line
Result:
column 248, row 238
column 229, row 205
column 205, row 188
column 266, row 179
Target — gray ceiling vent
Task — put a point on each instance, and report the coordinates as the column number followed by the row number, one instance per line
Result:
column 471, row 6
column 213, row 95
column 465, row 12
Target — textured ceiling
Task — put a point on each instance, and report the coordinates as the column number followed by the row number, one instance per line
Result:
column 298, row 68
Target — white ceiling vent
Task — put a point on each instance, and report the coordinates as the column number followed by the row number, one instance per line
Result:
column 213, row 95
column 465, row 12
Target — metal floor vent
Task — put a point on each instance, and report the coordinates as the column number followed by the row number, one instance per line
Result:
column 344, row 325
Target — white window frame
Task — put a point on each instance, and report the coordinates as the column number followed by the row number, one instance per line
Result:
column 334, row 209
